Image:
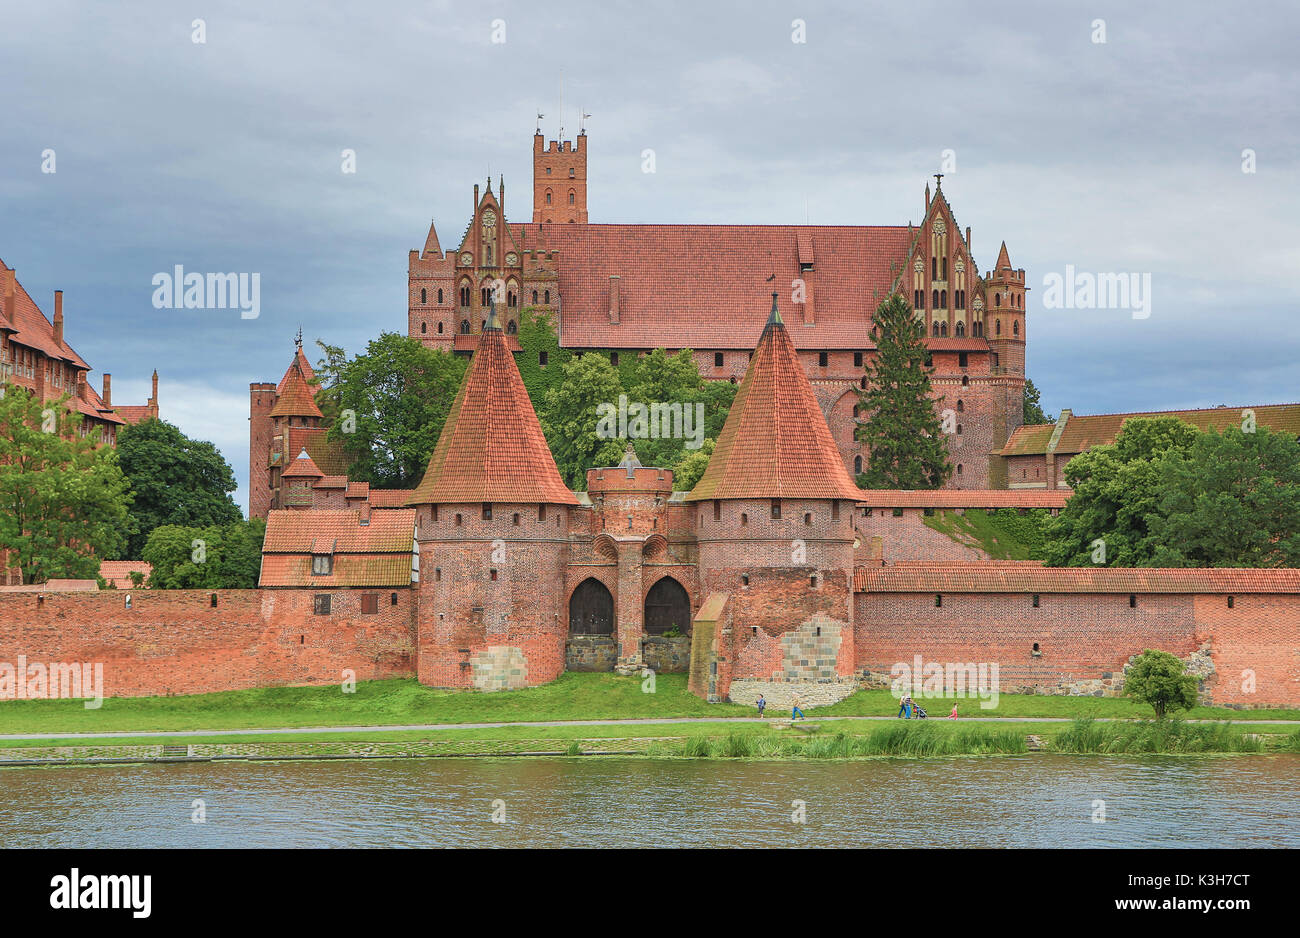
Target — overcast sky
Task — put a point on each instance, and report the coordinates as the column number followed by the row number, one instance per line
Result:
column 1122, row 156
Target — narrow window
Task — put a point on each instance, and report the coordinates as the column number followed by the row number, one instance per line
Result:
column 1229, row 602
column 487, row 511
column 437, row 574
column 543, row 358
column 938, row 600
column 961, row 406
column 1132, row 601
column 321, row 604
column 857, row 465
column 717, row 510
column 744, row 581
column 961, row 357
column 857, row 359
column 440, row 296
column 424, row 327
column 493, row 574
column 807, row 517
column 613, row 358
column 541, row 512
column 1035, row 600
column 717, row 359
column 393, row 600
column 821, row 359
column 812, row 581
column 547, row 297
column 744, row 520
column 423, row 298
column 458, row 520
column 776, row 508
column 439, row 328
column 515, row 519
column 835, row 511
column 213, row 600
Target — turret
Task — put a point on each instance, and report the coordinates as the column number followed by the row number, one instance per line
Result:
column 560, row 180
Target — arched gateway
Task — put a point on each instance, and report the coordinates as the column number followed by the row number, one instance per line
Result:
column 667, row 605
column 591, row 609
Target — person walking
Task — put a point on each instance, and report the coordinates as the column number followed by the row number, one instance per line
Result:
column 902, row 706
column 907, row 707
column 795, row 712
column 762, row 703
column 953, row 715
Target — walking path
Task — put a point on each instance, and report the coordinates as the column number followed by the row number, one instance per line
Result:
column 488, row 726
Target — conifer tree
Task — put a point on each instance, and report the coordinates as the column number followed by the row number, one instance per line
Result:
column 906, row 447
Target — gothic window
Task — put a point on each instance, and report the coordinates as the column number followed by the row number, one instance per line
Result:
column 918, row 299
column 424, row 327
column 943, row 299
column 548, row 196
column 943, row 330
column 965, row 380
column 936, row 330
column 960, row 331
column 961, row 406
column 547, row 297
column 935, row 297
column 997, row 327
column 570, row 196
column 511, row 328
column 1015, row 327
column 440, row 296
column 997, row 299
column 464, row 327
column 423, row 298
column 534, row 297
column 439, row 328
column 857, row 465
column 934, row 268
column 943, row 268
column 489, row 255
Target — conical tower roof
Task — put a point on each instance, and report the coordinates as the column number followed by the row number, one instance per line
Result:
column 492, row 448
column 295, row 397
column 775, row 443
column 303, row 466
column 1004, row 260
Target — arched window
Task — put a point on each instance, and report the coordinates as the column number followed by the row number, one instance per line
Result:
column 440, row 296
column 958, row 468
column 997, row 327
column 918, row 299
column 934, row 296
column 934, row 268
column 997, row 299
column 863, row 384
column 511, row 328
column 959, row 429
column 424, row 327
column 464, row 327
column 943, row 330
column 546, row 297
column 943, row 269
column 1015, row 327
column 960, row 330
column 570, row 196
column 857, row 465
column 943, row 299
column 936, row 330
column 423, row 298
column 961, row 406
column 548, row 196
column 965, row 380
column 534, row 297
column 439, row 328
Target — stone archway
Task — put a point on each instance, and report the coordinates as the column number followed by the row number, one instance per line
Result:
column 667, row 605
column 591, row 609
column 591, row 645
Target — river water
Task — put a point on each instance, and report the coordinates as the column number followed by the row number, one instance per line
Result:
column 1036, row 800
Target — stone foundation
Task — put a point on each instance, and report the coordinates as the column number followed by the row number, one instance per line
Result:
column 666, row 655
column 499, row 667
column 590, row 653
column 780, row 693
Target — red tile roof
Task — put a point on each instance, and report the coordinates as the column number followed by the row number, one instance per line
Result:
column 302, row 467
column 389, row 530
column 468, row 342
column 118, row 572
column 297, row 398
column 964, row 498
column 1084, row 432
column 327, row 454
column 671, row 294
column 33, row 330
column 492, row 448
column 358, row 570
column 303, row 365
column 1025, row 578
column 133, row 413
column 775, row 443
column 389, row 498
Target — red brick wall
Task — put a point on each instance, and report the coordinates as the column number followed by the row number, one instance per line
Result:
column 1088, row 636
column 261, row 400
column 907, row 538
column 175, row 642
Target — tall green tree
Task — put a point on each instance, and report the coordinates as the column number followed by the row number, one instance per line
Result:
column 174, row 480
column 571, row 419
column 1033, row 410
column 906, row 447
column 1231, row 500
column 1118, row 489
column 1161, row 680
column 688, row 470
column 63, row 497
column 400, row 394
column 225, row 556
column 660, row 378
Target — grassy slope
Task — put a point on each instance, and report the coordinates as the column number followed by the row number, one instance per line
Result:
column 572, row 697
column 975, row 528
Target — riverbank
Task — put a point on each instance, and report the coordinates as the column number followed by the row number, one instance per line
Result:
column 826, row 739
column 573, row 697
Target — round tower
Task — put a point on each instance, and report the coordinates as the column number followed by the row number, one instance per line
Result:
column 492, row 530
column 774, row 523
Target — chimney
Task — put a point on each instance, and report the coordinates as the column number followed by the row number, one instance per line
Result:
column 108, row 390
column 613, row 298
column 364, row 510
column 58, row 317
column 153, row 401
column 475, row 212
column 81, row 386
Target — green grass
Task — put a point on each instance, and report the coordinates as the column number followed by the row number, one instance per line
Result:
column 572, row 697
column 995, row 534
column 1085, row 735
